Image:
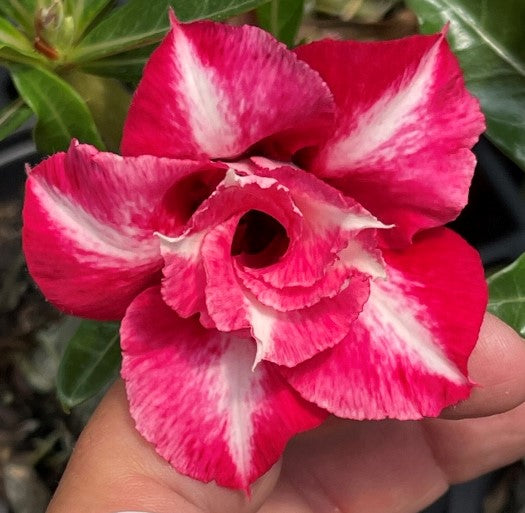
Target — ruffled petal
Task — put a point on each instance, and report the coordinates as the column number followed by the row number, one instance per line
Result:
column 330, row 222
column 288, row 338
column 194, row 396
column 213, row 90
column 183, row 274
column 405, row 126
column 284, row 338
column 361, row 258
column 89, row 219
column 406, row 355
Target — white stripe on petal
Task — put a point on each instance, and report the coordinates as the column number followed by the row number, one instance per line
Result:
column 185, row 246
column 213, row 125
column 400, row 318
column 239, row 401
column 368, row 262
column 385, row 118
column 93, row 236
column 326, row 215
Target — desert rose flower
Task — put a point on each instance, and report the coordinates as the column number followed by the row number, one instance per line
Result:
column 272, row 239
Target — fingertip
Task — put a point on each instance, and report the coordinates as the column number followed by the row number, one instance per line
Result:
column 497, row 371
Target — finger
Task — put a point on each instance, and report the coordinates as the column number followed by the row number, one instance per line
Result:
column 358, row 466
column 391, row 465
column 466, row 448
column 114, row 469
column 382, row 466
column 497, row 366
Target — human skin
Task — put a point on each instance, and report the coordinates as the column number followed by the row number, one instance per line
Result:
column 342, row 467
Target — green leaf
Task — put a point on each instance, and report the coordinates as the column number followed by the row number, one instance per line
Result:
column 507, row 294
column 212, row 9
column 127, row 66
column 20, row 11
column 282, row 18
column 9, row 57
column 140, row 23
column 108, row 102
column 85, row 12
column 13, row 116
column 488, row 38
column 12, row 38
column 62, row 114
column 135, row 24
column 91, row 360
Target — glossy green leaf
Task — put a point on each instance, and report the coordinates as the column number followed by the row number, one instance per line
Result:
column 140, row 23
column 13, row 116
column 9, row 57
column 91, row 360
column 20, row 11
column 62, row 114
column 489, row 39
column 507, row 294
column 282, row 18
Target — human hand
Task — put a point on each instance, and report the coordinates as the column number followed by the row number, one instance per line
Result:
column 342, row 466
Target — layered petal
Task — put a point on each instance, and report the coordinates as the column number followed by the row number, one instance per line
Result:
column 214, row 90
column 405, row 126
column 183, row 274
column 360, row 259
column 194, row 396
column 89, row 219
column 323, row 275
column 285, row 338
column 330, row 221
column 406, row 355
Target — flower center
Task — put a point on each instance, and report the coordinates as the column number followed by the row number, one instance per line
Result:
column 259, row 240
column 184, row 197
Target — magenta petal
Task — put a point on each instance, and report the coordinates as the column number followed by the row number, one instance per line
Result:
column 88, row 227
column 405, row 126
column 286, row 337
column 213, row 90
column 184, row 280
column 406, row 355
column 225, row 296
column 194, row 396
column 329, row 222
column 183, row 275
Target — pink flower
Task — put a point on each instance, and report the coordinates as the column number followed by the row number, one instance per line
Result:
column 273, row 240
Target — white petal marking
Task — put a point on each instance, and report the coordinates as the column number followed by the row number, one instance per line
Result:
column 368, row 262
column 185, row 246
column 397, row 314
column 94, row 236
column 238, row 403
column 214, row 128
column 262, row 320
column 324, row 214
column 381, row 122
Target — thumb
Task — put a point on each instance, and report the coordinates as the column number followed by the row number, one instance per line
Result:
column 113, row 469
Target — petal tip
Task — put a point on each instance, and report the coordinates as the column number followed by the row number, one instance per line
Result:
column 174, row 21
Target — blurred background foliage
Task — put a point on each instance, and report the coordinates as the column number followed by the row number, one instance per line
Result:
column 73, row 65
